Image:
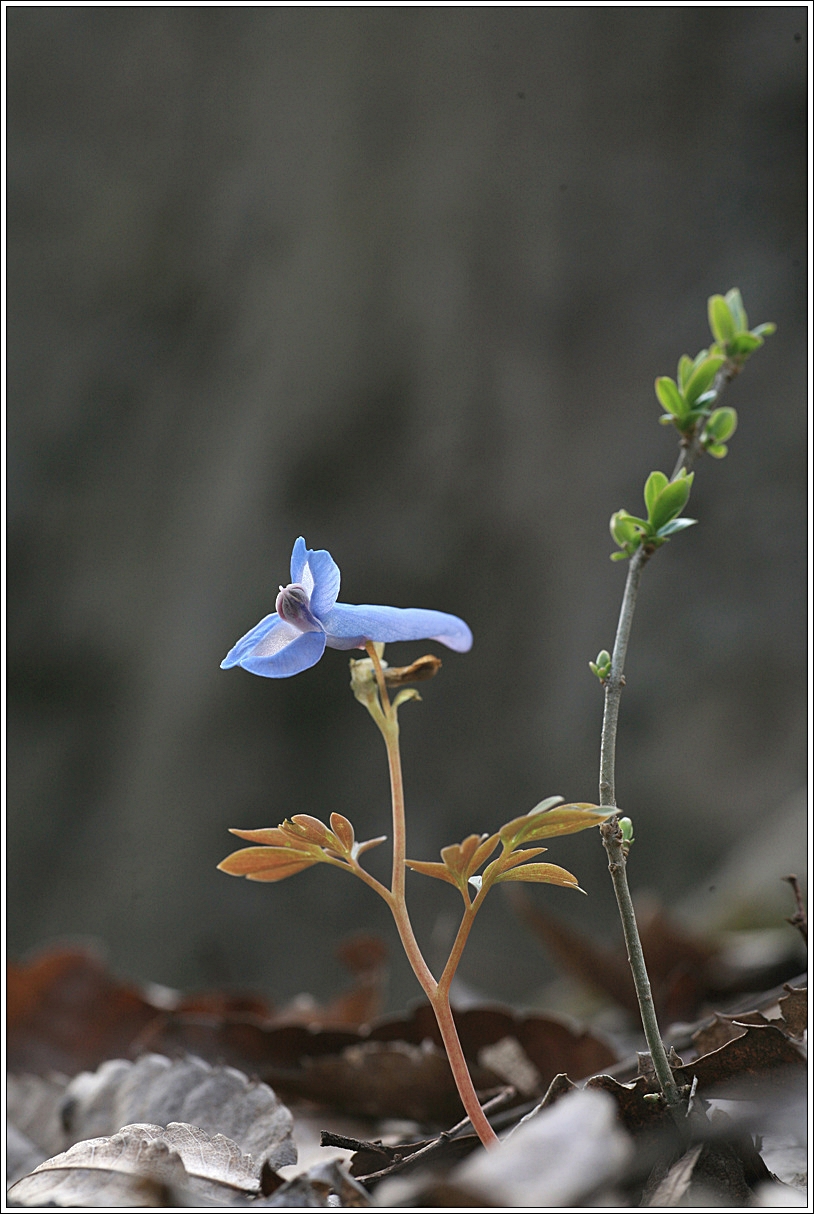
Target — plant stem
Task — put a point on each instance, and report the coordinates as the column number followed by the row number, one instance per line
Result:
column 612, row 835
column 691, row 447
column 615, row 680
column 437, row 993
column 617, row 864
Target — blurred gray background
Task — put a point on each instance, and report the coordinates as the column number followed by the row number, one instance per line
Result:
column 398, row 280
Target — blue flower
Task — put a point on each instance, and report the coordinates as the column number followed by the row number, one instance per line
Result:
column 308, row 618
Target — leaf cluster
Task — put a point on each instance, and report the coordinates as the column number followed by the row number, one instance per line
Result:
column 602, row 666
column 460, row 861
column 295, row 845
column 664, row 500
column 688, row 399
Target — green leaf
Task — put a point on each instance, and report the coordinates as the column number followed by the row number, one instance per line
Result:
column 653, row 486
column 626, row 530
column 702, row 378
column 701, row 401
column 669, row 396
column 744, row 343
column 602, row 666
column 721, row 320
column 671, row 501
column 685, row 369
column 717, row 450
column 721, row 425
column 675, row 525
column 735, row 304
column 764, row 330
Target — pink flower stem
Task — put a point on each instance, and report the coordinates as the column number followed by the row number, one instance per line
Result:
column 437, row 993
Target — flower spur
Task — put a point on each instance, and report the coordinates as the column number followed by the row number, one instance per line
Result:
column 308, row 619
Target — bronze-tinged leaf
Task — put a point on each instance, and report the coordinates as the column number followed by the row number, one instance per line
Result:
column 513, row 858
column 548, row 823
column 310, row 829
column 458, row 855
column 431, row 868
column 508, row 860
column 343, row 830
column 271, row 836
column 550, row 874
column 267, row 863
column 279, row 873
column 463, row 859
column 359, row 848
column 483, row 853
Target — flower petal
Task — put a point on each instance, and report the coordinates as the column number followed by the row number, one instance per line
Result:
column 318, row 573
column 348, row 627
column 271, row 626
column 276, row 649
column 303, row 651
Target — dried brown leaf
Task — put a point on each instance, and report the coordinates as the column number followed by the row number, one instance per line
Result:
column 423, row 668
column 751, row 1058
column 218, row 1100
column 794, row 1009
column 132, row 1168
column 67, row 1013
column 32, row 1106
column 723, row 1029
column 291, row 1058
column 680, row 965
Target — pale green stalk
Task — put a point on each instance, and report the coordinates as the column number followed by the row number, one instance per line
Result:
column 612, row 835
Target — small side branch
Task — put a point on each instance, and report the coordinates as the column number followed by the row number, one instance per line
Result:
column 409, row 1159
column 800, row 918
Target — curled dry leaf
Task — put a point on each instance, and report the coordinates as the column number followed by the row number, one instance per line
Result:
column 137, row 1165
column 218, row 1100
column 32, row 1107
column 419, row 670
column 132, row 1168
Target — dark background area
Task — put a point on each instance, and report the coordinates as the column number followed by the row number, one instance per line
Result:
column 398, row 280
